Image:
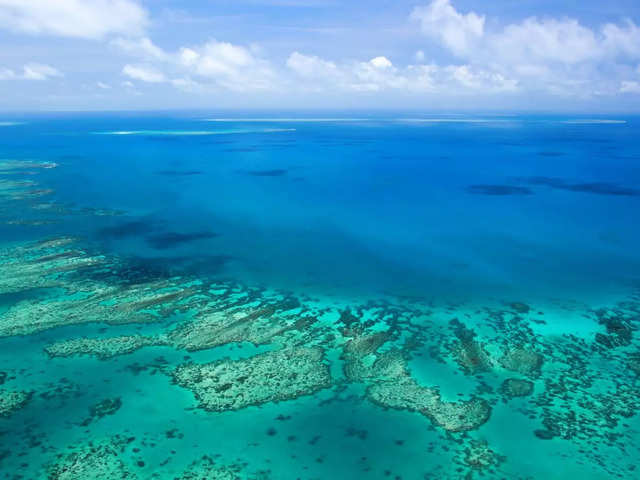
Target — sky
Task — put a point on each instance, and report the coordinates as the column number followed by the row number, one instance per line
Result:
column 498, row 55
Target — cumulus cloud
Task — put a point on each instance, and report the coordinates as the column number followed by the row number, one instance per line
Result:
column 557, row 56
column 380, row 74
column 7, row 74
column 232, row 67
column 630, row 86
column 530, row 41
column 215, row 64
column 39, row 71
column 30, row 71
column 143, row 73
column 456, row 31
column 561, row 56
column 311, row 66
column 139, row 47
column 92, row 19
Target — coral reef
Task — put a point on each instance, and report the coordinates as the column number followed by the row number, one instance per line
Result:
column 523, row 361
column 12, row 401
column 405, row 394
column 479, row 456
column 469, row 353
column 108, row 406
column 89, row 297
column 257, row 326
column 619, row 329
column 97, row 460
column 515, row 387
column 206, row 468
column 268, row 377
column 361, row 360
column 103, row 348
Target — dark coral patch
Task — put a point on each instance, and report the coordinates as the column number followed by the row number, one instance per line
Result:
column 514, row 387
column 179, row 173
column 550, row 154
column 128, row 229
column 498, row 190
column 597, row 188
column 173, row 239
column 267, row 173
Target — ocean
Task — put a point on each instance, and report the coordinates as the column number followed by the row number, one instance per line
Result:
column 304, row 295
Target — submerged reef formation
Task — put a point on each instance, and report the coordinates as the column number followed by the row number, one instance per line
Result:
column 12, row 401
column 100, row 460
column 582, row 389
column 102, row 348
column 452, row 416
column 470, row 354
column 108, row 406
column 479, row 456
column 207, row 468
column 88, row 295
column 257, row 326
column 515, row 387
column 268, row 377
column 115, row 459
column 558, row 381
column 523, row 361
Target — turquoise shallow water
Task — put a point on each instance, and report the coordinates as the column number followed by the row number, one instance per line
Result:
column 202, row 295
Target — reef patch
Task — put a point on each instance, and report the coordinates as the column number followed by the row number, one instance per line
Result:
column 103, row 348
column 12, row 400
column 406, row 394
column 269, row 377
column 498, row 190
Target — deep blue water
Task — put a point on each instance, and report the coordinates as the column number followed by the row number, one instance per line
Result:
column 440, row 218
column 382, row 205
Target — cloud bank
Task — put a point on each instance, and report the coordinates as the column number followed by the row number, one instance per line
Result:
column 552, row 56
column 92, row 19
column 460, row 54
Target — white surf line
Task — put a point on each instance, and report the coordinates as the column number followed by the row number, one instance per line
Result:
column 278, row 119
column 454, row 120
column 593, row 121
column 191, row 132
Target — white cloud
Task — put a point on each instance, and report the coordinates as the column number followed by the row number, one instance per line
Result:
column 381, row 62
column 91, row 19
column 187, row 84
column 39, row 71
column 214, row 64
column 535, row 41
column 376, row 74
column 560, row 56
column 629, row 86
column 321, row 74
column 30, row 71
column 188, row 57
column 622, row 40
column 311, row 66
column 379, row 74
column 7, row 74
column 139, row 47
column 225, row 65
column 481, row 80
column 143, row 73
column 552, row 56
column 104, row 86
column 456, row 31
